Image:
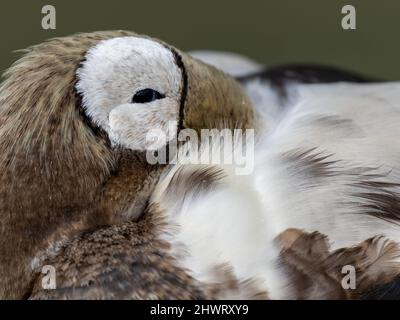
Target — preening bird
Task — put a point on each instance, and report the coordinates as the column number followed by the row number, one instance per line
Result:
column 329, row 163
column 78, row 194
column 324, row 194
column 74, row 113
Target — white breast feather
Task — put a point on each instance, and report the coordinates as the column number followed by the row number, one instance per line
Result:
column 355, row 126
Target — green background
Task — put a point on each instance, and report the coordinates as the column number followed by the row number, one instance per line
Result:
column 270, row 31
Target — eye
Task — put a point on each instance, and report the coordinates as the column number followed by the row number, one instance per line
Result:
column 147, row 95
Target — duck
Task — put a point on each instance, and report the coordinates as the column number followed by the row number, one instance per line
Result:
column 322, row 197
column 69, row 109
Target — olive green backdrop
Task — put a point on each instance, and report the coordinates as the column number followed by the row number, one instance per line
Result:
column 271, row 31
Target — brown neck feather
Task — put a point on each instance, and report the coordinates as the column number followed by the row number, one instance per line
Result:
column 52, row 166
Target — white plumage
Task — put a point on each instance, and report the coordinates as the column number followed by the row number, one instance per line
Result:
column 327, row 159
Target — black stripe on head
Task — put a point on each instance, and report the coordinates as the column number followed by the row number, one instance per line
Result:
column 94, row 128
column 181, row 66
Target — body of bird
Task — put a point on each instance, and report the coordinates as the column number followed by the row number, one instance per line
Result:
column 78, row 194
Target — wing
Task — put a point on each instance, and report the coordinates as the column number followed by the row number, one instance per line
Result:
column 124, row 261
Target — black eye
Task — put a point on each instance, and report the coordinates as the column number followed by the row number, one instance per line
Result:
column 146, row 95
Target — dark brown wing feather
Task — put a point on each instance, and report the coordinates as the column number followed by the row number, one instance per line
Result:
column 124, row 261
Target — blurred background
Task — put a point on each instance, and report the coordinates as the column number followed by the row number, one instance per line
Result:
column 269, row 31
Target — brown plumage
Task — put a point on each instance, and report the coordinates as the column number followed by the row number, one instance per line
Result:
column 316, row 272
column 124, row 261
column 132, row 260
column 58, row 174
column 128, row 261
column 65, row 195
